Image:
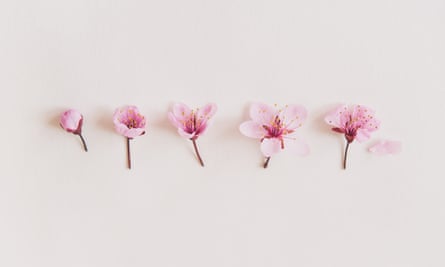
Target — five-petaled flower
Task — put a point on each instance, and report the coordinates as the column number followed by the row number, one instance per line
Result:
column 71, row 121
column 192, row 123
column 276, row 129
column 355, row 122
column 130, row 123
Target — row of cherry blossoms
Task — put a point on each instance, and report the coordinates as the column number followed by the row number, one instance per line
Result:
column 274, row 127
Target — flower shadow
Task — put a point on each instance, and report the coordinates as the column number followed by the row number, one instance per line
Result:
column 53, row 117
column 105, row 119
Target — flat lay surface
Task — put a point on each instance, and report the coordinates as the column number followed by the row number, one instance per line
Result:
column 62, row 206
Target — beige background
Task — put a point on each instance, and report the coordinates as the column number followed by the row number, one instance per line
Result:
column 60, row 206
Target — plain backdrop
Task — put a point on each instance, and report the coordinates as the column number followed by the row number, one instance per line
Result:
column 60, row 206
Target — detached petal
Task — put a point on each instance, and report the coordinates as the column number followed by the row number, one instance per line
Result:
column 252, row 129
column 262, row 113
column 270, row 146
column 293, row 116
column 385, row 147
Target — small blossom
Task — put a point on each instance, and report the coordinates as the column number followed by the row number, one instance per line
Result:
column 130, row 123
column 71, row 121
column 276, row 129
column 192, row 123
column 355, row 122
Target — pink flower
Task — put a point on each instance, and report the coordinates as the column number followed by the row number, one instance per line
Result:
column 129, row 123
column 71, row 121
column 192, row 123
column 275, row 128
column 385, row 147
column 355, row 122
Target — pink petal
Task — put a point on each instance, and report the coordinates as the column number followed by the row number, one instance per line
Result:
column 385, row 147
column 262, row 113
column 252, row 129
column 338, row 116
column 293, row 116
column 134, row 132
column 70, row 120
column 296, row 146
column 185, row 134
column 206, row 112
column 182, row 112
column 270, row 146
column 362, row 135
column 174, row 121
column 202, row 116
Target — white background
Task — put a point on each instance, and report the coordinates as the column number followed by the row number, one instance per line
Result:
column 60, row 206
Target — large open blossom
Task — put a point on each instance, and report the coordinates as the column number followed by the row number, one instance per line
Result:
column 276, row 128
column 192, row 123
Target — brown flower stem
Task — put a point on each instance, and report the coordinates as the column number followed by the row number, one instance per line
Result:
column 84, row 143
column 266, row 163
column 345, row 158
column 128, row 154
column 197, row 152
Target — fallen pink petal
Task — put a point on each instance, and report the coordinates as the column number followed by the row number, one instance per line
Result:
column 386, row 147
column 71, row 121
column 192, row 123
column 355, row 122
column 275, row 128
column 129, row 122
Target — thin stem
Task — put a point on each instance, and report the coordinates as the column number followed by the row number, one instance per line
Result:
column 197, row 152
column 266, row 163
column 345, row 158
column 128, row 154
column 84, row 143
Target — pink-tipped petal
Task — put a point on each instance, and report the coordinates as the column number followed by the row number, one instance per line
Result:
column 297, row 146
column 385, row 147
column 174, row 121
column 270, row 146
column 182, row 112
column 293, row 116
column 252, row 129
column 262, row 113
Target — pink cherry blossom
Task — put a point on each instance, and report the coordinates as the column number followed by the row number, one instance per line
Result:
column 71, row 120
column 276, row 129
column 385, row 147
column 355, row 122
column 129, row 122
column 192, row 123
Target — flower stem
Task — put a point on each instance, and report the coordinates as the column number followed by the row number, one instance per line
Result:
column 345, row 158
column 84, row 143
column 266, row 163
column 197, row 152
column 128, row 154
